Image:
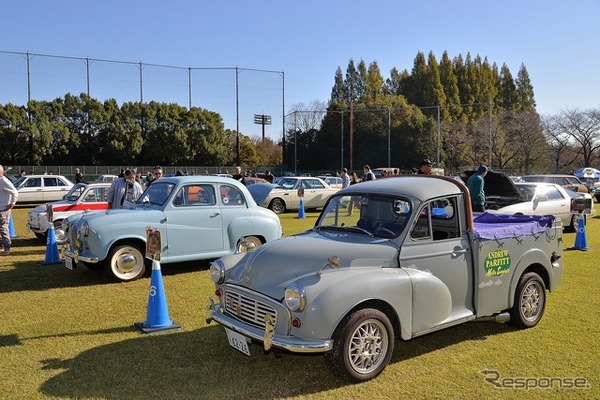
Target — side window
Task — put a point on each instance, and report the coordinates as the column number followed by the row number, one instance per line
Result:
column 33, row 182
column 60, row 182
column 50, row 182
column 231, row 196
column 438, row 220
column 421, row 229
column 91, row 196
column 195, row 195
column 315, row 184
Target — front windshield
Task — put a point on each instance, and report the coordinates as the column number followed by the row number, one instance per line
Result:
column 374, row 215
column 18, row 182
column 157, row 193
column 75, row 192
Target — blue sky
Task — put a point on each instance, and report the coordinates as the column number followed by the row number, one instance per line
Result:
column 307, row 40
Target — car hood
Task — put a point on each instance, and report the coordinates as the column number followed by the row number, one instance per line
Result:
column 119, row 216
column 273, row 266
column 500, row 190
column 42, row 208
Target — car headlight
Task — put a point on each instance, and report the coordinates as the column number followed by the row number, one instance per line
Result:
column 85, row 229
column 217, row 272
column 295, row 297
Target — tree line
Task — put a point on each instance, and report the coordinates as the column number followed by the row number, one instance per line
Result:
column 79, row 130
column 462, row 110
column 465, row 111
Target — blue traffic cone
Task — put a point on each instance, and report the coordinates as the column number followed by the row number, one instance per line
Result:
column 580, row 239
column 157, row 317
column 52, row 256
column 301, row 209
column 11, row 228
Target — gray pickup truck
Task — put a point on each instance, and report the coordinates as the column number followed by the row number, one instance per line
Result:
column 398, row 257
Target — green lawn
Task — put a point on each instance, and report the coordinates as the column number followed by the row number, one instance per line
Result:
column 70, row 334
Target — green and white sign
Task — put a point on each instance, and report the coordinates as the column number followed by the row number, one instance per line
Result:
column 497, row 263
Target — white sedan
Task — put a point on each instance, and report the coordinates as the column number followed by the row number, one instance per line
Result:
column 549, row 199
column 42, row 188
column 286, row 195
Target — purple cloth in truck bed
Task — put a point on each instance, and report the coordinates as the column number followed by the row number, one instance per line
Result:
column 498, row 226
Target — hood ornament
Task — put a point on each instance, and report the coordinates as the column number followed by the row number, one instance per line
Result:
column 332, row 262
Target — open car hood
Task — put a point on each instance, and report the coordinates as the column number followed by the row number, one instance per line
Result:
column 500, row 190
column 260, row 191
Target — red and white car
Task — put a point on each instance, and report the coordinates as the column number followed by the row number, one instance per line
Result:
column 82, row 197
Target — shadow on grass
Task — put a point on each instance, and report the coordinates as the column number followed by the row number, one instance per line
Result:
column 200, row 365
column 33, row 275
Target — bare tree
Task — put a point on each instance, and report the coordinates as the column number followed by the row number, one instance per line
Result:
column 583, row 128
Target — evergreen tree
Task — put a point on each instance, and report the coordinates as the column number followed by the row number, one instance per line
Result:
column 507, row 91
column 525, row 96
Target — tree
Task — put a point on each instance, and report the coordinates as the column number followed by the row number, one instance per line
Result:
column 525, row 96
column 583, row 127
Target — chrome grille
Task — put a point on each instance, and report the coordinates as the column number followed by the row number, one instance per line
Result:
column 247, row 309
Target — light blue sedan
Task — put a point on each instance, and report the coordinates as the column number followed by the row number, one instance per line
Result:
column 198, row 217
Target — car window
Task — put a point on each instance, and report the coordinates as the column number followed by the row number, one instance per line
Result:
column 95, row 195
column 314, row 184
column 231, row 196
column 438, row 220
column 287, row 183
column 50, row 182
column 550, row 193
column 381, row 216
column 195, row 195
column 33, row 182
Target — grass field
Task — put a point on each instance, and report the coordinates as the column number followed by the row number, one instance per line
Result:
column 70, row 334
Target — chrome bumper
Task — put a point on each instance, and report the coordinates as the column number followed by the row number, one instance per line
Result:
column 78, row 257
column 267, row 336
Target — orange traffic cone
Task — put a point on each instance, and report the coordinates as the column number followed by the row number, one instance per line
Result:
column 157, row 316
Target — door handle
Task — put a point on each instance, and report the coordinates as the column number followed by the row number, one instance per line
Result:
column 215, row 215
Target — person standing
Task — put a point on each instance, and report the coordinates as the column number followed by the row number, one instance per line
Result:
column 237, row 175
column 425, row 167
column 476, row 184
column 78, row 176
column 368, row 175
column 353, row 199
column 8, row 199
column 157, row 173
column 123, row 189
column 345, row 178
column 269, row 176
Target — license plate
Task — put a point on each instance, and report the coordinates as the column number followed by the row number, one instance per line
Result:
column 69, row 263
column 238, row 342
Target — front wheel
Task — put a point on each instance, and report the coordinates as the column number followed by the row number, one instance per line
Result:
column 126, row 262
column 530, row 301
column 362, row 346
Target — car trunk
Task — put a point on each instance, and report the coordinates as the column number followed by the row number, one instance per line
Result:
column 500, row 191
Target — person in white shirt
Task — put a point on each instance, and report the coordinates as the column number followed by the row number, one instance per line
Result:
column 8, row 199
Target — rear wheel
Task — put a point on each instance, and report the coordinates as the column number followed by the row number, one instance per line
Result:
column 126, row 262
column 530, row 301
column 277, row 205
column 362, row 346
